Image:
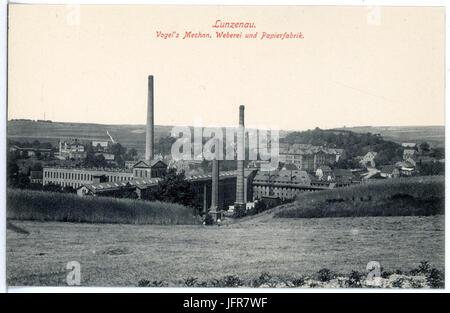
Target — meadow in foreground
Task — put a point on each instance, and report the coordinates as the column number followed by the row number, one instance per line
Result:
column 129, row 255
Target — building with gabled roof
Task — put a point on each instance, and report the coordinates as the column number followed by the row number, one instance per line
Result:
column 389, row 171
column 149, row 168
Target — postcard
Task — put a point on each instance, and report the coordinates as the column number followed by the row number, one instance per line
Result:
column 213, row 146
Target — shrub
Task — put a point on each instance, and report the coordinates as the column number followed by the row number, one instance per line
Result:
column 264, row 278
column 398, row 283
column 239, row 212
column 354, row 279
column 324, row 275
column 154, row 283
column 424, row 267
column 435, row 278
column 190, row 282
column 228, row 281
column 209, row 219
column 298, row 282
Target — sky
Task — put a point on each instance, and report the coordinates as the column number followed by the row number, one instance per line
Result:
column 354, row 66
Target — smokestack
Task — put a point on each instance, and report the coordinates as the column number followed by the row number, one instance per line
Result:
column 150, row 126
column 215, row 184
column 240, row 160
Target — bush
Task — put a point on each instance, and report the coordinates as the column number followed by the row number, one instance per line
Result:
column 263, row 279
column 154, row 283
column 354, row 279
column 209, row 219
column 239, row 212
column 435, row 279
column 190, row 282
column 298, row 281
column 229, row 281
column 324, row 275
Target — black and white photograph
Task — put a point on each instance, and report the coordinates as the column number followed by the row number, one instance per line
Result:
column 264, row 147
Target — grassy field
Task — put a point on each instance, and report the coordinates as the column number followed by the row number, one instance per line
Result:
column 130, row 136
column 52, row 206
column 123, row 255
column 416, row 196
column 431, row 134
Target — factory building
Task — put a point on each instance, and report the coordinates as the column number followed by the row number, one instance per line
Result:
column 307, row 157
column 71, row 148
column 213, row 192
column 283, row 184
column 77, row 176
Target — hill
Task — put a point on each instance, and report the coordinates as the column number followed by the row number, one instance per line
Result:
column 355, row 144
column 418, row 196
column 130, row 136
column 432, row 134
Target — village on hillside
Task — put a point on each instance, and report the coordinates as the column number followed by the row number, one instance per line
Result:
column 91, row 166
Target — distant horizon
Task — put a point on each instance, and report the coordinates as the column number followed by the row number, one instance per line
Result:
column 247, row 126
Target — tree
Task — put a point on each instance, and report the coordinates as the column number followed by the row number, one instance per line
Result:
column 425, row 147
column 36, row 144
column 164, row 145
column 36, row 167
column 434, row 168
column 131, row 155
column 438, row 153
column 174, row 188
column 12, row 172
column 348, row 163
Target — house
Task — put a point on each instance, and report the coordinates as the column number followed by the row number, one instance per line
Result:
column 36, row 177
column 405, row 168
column 389, row 171
column 406, row 171
column 100, row 145
column 71, row 149
column 411, row 161
column 324, row 172
column 130, row 164
column 149, row 169
column 409, row 145
column 342, row 175
column 368, row 160
column 308, row 157
column 109, row 157
column 30, row 151
column 409, row 153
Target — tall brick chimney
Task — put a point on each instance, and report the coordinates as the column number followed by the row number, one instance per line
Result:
column 215, row 185
column 240, row 160
column 149, row 138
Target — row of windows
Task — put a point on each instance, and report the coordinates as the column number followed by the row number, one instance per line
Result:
column 68, row 175
column 83, row 176
column 280, row 192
